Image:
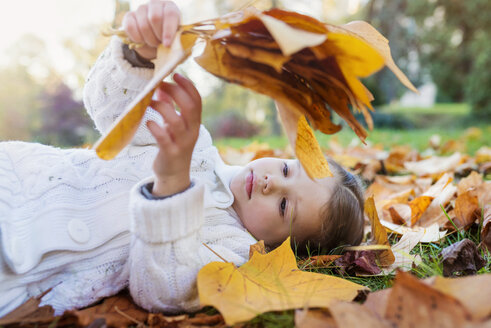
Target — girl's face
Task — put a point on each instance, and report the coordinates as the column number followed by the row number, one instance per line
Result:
column 275, row 198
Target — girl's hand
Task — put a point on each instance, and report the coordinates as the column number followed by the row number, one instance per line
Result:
column 177, row 137
column 152, row 24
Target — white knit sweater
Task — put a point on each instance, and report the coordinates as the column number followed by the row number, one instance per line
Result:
column 80, row 225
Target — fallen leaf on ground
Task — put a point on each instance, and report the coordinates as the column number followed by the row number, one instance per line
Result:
column 486, row 227
column 318, row 261
column 471, row 291
column 434, row 165
column 29, row 313
column 321, row 318
column 270, row 282
column 461, row 259
column 116, row 311
column 412, row 303
column 430, row 234
column 379, row 234
column 466, row 210
column 359, row 263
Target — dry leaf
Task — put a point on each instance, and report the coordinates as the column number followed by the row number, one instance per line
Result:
column 116, row 311
column 403, row 260
column 125, row 127
column 430, row 234
column 318, row 261
column 270, row 282
column 418, row 206
column 470, row 291
column 355, row 315
column 461, row 259
column 29, row 313
column 379, row 234
column 466, row 210
column 257, row 247
column 486, row 228
column 412, row 303
column 321, row 318
column 434, row 165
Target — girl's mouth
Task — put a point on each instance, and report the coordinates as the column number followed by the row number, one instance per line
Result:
column 249, row 184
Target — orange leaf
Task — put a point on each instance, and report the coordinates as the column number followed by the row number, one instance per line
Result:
column 418, row 206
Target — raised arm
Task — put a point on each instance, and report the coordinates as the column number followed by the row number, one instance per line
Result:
column 120, row 73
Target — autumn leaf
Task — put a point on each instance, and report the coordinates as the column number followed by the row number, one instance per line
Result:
column 270, row 282
column 302, row 63
column 461, row 259
column 379, row 234
column 124, row 128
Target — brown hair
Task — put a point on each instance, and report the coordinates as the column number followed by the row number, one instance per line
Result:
column 342, row 215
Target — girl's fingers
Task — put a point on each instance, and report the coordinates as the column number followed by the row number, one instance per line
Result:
column 183, row 100
column 171, row 23
column 146, row 30
column 160, row 134
column 130, row 25
column 173, row 119
column 155, row 17
column 189, row 87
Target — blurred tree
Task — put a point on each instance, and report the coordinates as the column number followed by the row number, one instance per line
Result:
column 19, row 103
column 389, row 18
column 64, row 120
column 455, row 49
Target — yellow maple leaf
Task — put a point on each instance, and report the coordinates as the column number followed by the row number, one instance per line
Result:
column 270, row 282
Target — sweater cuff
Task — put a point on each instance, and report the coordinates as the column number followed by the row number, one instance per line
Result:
column 169, row 219
column 128, row 76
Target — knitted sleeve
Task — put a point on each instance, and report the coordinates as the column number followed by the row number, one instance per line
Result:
column 167, row 252
column 111, row 85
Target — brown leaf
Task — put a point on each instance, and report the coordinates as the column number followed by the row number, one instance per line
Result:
column 117, row 311
column 318, row 261
column 466, row 210
column 355, row 315
column 320, row 318
column 461, row 259
column 470, row 291
column 29, row 313
column 486, row 228
column 379, row 234
column 257, row 247
column 412, row 303
column 359, row 263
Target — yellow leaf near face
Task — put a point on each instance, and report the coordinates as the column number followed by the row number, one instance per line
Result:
column 270, row 282
column 309, row 152
column 379, row 234
column 125, row 127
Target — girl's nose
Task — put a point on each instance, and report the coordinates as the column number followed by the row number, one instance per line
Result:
column 268, row 184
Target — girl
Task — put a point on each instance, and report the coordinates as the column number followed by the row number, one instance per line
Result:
column 80, row 228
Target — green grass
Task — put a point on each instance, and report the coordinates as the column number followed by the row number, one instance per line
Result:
column 458, row 109
column 416, row 138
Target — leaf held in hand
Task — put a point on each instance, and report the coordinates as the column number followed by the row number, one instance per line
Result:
column 270, row 282
column 125, row 127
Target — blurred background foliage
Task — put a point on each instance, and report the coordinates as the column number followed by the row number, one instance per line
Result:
column 441, row 43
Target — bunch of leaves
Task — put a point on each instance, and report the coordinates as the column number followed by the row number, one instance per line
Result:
column 308, row 67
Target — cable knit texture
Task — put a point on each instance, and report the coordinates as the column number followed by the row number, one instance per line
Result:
column 80, row 226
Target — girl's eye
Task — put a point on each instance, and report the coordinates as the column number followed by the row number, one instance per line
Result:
column 283, row 206
column 285, row 170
